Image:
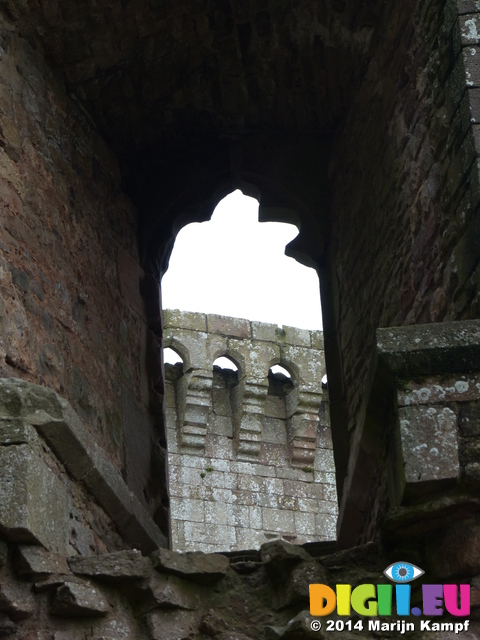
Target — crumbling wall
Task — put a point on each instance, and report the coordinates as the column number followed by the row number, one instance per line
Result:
column 250, row 455
column 71, row 315
column 81, row 582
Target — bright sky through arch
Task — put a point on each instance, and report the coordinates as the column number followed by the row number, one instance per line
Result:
column 235, row 266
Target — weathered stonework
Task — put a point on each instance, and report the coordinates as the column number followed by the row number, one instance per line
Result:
column 41, row 438
column 357, row 121
column 418, row 449
column 250, row 455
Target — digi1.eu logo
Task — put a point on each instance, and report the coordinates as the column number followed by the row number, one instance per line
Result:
column 393, row 599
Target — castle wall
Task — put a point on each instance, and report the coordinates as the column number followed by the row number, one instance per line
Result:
column 405, row 247
column 71, row 316
column 250, row 457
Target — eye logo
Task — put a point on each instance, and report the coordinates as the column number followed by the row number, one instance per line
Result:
column 403, row 572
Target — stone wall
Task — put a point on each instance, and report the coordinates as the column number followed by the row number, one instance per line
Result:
column 196, row 596
column 57, row 487
column 71, row 315
column 250, row 454
column 67, row 572
column 404, row 249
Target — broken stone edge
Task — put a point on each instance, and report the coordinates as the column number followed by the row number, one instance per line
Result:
column 65, row 434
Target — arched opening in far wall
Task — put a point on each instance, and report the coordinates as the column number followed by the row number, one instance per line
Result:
column 242, row 420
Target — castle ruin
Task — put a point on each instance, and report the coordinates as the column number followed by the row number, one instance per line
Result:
column 120, row 122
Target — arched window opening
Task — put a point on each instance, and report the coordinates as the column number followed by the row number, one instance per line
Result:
column 279, row 381
column 204, row 274
column 173, row 362
column 242, row 431
column 225, row 363
column 225, row 372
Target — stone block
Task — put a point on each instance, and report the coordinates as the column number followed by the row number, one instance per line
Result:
column 195, row 535
column 324, row 437
column 274, row 455
column 195, row 343
column 17, row 600
column 434, row 390
column 235, row 327
column 276, row 520
column 187, row 510
column 275, row 407
column 295, row 336
column 429, row 440
column 184, row 320
column 111, row 567
column 468, row 6
column 17, row 431
column 218, row 513
column 221, row 448
column 27, row 512
column 309, row 364
column 165, row 592
column 273, row 486
column 79, row 600
column 317, row 340
column 35, row 562
column 431, row 349
column 274, row 431
column 304, row 523
column 221, row 402
column 255, row 517
column 326, row 526
column 249, row 538
column 265, row 332
column 221, row 426
column 199, row 567
column 324, row 460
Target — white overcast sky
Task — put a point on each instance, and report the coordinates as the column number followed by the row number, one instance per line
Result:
column 234, row 265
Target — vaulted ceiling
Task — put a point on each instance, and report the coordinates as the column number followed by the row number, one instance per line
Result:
column 197, row 97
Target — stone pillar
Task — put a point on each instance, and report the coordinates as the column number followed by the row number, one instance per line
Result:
column 193, row 400
column 303, row 408
column 248, row 400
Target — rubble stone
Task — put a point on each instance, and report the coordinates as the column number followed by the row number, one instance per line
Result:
column 111, row 567
column 200, row 567
column 212, row 624
column 35, row 562
column 280, row 558
column 79, row 599
column 17, row 601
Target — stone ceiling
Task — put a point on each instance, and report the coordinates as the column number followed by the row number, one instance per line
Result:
column 202, row 92
column 155, row 70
